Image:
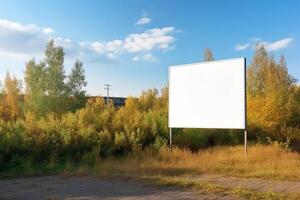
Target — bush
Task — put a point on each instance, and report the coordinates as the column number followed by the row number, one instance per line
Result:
column 96, row 129
column 103, row 130
column 195, row 139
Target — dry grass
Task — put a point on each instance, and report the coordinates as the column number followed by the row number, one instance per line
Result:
column 174, row 168
column 207, row 187
column 263, row 161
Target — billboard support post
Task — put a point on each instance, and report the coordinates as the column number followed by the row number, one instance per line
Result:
column 245, row 131
column 170, row 139
column 245, row 142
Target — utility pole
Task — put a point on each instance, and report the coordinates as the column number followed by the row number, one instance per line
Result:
column 107, row 88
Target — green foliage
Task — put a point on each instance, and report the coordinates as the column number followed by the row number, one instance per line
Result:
column 57, row 124
column 75, row 84
column 196, row 139
column 285, row 145
column 97, row 129
column 55, row 70
column 55, row 76
column 48, row 89
column 272, row 96
column 35, row 81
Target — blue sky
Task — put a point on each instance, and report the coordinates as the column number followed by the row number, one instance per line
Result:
column 131, row 43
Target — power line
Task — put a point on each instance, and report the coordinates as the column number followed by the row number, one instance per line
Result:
column 107, row 88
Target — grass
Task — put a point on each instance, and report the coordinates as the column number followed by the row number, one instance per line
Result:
column 223, row 191
column 263, row 161
column 172, row 168
column 270, row 162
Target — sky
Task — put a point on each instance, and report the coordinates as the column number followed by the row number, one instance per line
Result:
column 130, row 43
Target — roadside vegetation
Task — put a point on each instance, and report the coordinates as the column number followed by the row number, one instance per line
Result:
column 51, row 126
column 270, row 162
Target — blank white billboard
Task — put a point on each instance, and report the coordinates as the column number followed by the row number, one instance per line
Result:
column 208, row 95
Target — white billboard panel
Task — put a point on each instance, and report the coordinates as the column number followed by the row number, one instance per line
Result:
column 208, row 95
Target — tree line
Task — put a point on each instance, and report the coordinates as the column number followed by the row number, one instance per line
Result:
column 273, row 95
column 47, row 88
column 52, row 118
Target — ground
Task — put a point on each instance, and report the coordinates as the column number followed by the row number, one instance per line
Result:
column 268, row 173
column 88, row 188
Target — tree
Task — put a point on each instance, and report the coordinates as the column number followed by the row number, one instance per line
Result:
column 148, row 99
column 11, row 101
column 295, row 108
column 35, row 82
column 270, row 92
column 47, row 89
column 2, row 96
column 208, row 55
column 256, row 74
column 55, row 76
column 76, row 83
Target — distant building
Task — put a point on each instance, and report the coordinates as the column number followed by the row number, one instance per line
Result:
column 117, row 101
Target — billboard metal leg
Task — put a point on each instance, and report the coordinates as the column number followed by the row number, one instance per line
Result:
column 171, row 139
column 245, row 142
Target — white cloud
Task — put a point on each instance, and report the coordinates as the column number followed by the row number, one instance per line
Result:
column 97, row 46
column 112, row 47
column 48, row 30
column 135, row 58
column 16, row 26
column 277, row 45
column 16, row 56
column 159, row 39
column 240, row 47
column 143, row 20
column 148, row 57
column 255, row 39
column 72, row 49
column 24, row 41
column 269, row 46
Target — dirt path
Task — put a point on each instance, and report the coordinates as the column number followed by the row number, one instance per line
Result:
column 87, row 188
column 261, row 185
